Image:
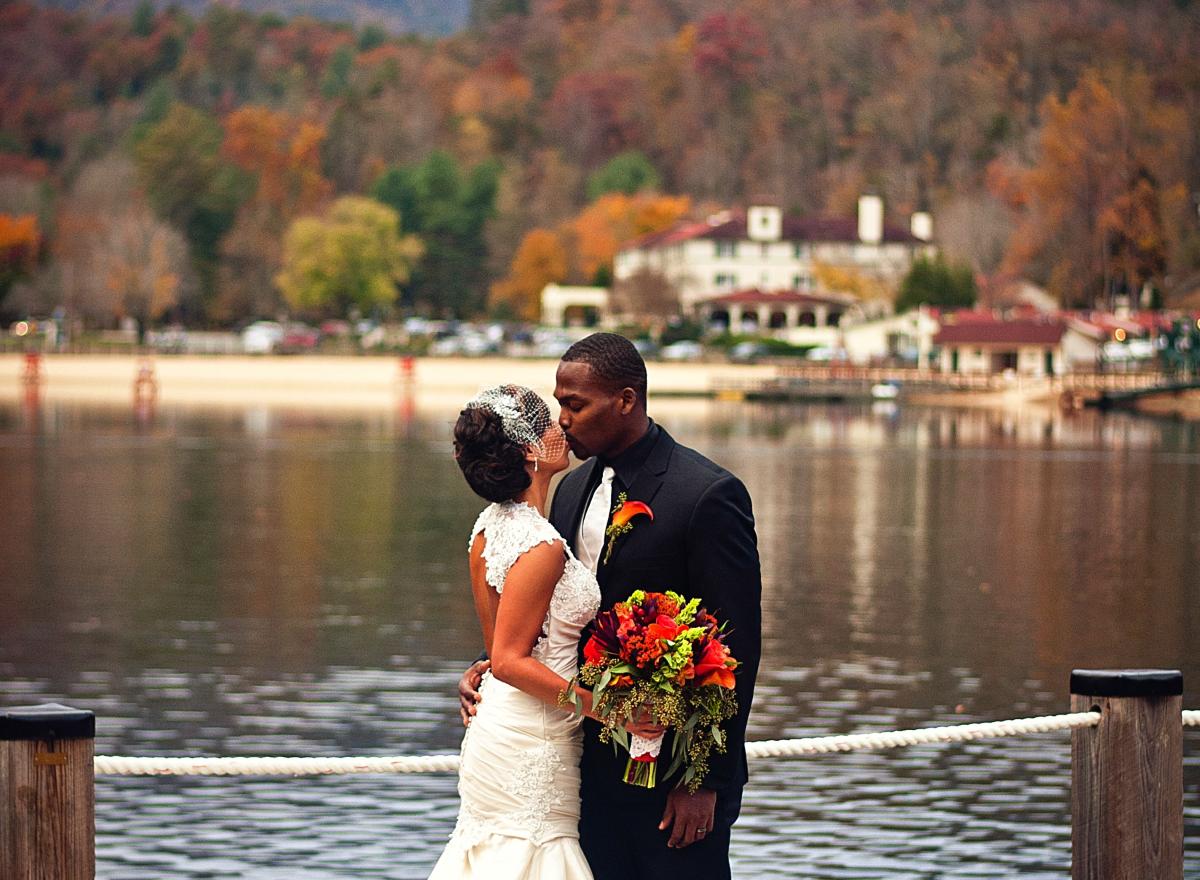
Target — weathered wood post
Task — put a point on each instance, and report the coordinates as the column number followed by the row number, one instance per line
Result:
column 47, row 793
column 1127, row 776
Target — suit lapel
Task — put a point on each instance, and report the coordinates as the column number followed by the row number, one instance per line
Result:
column 645, row 485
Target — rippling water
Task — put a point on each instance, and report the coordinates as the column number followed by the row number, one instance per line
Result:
column 273, row 582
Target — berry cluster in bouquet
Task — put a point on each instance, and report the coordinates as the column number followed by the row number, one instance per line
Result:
column 663, row 654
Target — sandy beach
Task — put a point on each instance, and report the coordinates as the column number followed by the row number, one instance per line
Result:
column 324, row 382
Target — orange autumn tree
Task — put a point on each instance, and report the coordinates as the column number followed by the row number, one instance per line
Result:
column 600, row 229
column 283, row 153
column 1089, row 208
column 20, row 241
column 540, row 259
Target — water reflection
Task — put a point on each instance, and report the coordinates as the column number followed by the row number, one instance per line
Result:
column 259, row 581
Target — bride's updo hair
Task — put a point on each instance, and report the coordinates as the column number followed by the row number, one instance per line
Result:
column 491, row 438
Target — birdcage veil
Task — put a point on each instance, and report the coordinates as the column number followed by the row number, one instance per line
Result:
column 524, row 418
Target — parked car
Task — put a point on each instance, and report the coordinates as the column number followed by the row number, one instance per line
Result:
column 298, row 338
column 262, row 337
column 683, row 350
column 747, row 352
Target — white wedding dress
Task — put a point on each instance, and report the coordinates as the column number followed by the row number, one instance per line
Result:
column 519, row 773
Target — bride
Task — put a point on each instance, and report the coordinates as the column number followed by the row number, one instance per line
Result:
column 519, row 771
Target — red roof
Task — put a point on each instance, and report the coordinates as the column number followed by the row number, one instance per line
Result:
column 754, row 296
column 1026, row 332
column 795, row 229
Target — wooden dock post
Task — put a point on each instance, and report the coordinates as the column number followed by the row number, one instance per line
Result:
column 1127, row 776
column 47, row 793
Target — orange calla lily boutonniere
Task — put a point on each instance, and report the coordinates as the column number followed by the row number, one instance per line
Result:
column 623, row 514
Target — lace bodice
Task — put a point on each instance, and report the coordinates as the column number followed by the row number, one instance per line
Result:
column 511, row 529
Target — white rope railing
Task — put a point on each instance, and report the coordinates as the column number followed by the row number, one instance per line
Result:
column 819, row 745
column 109, row 765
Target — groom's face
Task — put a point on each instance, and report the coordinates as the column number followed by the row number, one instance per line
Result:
column 591, row 413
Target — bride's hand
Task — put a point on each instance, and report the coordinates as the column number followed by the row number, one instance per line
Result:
column 643, row 725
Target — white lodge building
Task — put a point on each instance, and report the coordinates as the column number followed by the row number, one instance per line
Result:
column 765, row 250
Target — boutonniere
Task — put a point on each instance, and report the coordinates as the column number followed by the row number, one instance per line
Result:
column 622, row 516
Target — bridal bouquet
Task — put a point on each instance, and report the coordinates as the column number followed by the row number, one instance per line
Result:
column 661, row 653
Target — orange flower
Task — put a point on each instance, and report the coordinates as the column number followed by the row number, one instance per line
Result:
column 722, row 677
column 629, row 510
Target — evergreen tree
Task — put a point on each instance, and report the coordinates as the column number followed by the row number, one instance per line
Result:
column 937, row 283
column 448, row 211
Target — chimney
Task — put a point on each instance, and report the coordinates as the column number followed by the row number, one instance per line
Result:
column 870, row 219
column 764, row 223
column 921, row 226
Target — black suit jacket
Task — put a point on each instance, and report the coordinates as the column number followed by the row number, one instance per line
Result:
column 700, row 543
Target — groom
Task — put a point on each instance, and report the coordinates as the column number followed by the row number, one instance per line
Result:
column 700, row 543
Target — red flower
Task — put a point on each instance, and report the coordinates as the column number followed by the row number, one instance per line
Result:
column 664, row 628
column 604, row 640
column 713, row 665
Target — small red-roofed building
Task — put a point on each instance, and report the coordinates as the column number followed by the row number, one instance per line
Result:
column 1048, row 346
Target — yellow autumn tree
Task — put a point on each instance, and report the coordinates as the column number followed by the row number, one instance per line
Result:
column 840, row 279
column 540, row 259
column 354, row 255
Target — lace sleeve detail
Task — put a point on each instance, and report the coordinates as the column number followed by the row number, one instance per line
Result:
column 510, row 530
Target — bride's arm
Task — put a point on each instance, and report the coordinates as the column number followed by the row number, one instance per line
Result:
column 523, row 605
column 522, row 609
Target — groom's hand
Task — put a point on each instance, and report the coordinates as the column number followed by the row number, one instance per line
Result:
column 468, row 689
column 688, row 816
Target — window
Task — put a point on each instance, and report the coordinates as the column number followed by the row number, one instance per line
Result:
column 725, row 280
column 800, row 250
column 726, row 248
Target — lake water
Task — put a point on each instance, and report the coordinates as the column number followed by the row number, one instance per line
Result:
column 247, row 582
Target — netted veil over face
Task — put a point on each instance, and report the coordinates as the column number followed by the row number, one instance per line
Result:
column 525, row 419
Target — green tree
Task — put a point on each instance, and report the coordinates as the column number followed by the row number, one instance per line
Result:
column 371, row 37
column 189, row 184
column 142, row 23
column 629, row 172
column 355, row 255
column 448, row 211
column 336, row 81
column 937, row 283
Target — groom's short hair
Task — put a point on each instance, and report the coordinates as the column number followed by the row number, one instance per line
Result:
column 613, row 359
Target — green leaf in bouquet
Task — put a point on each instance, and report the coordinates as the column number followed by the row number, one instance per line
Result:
column 677, row 756
column 718, row 736
column 602, row 684
column 621, row 735
column 571, row 698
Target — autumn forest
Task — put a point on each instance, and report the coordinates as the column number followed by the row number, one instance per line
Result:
column 213, row 167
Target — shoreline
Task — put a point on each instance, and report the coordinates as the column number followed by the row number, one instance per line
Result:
column 381, row 383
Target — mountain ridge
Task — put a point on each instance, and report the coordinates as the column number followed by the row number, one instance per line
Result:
column 432, row 18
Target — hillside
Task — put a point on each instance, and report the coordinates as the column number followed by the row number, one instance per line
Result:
column 1057, row 143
